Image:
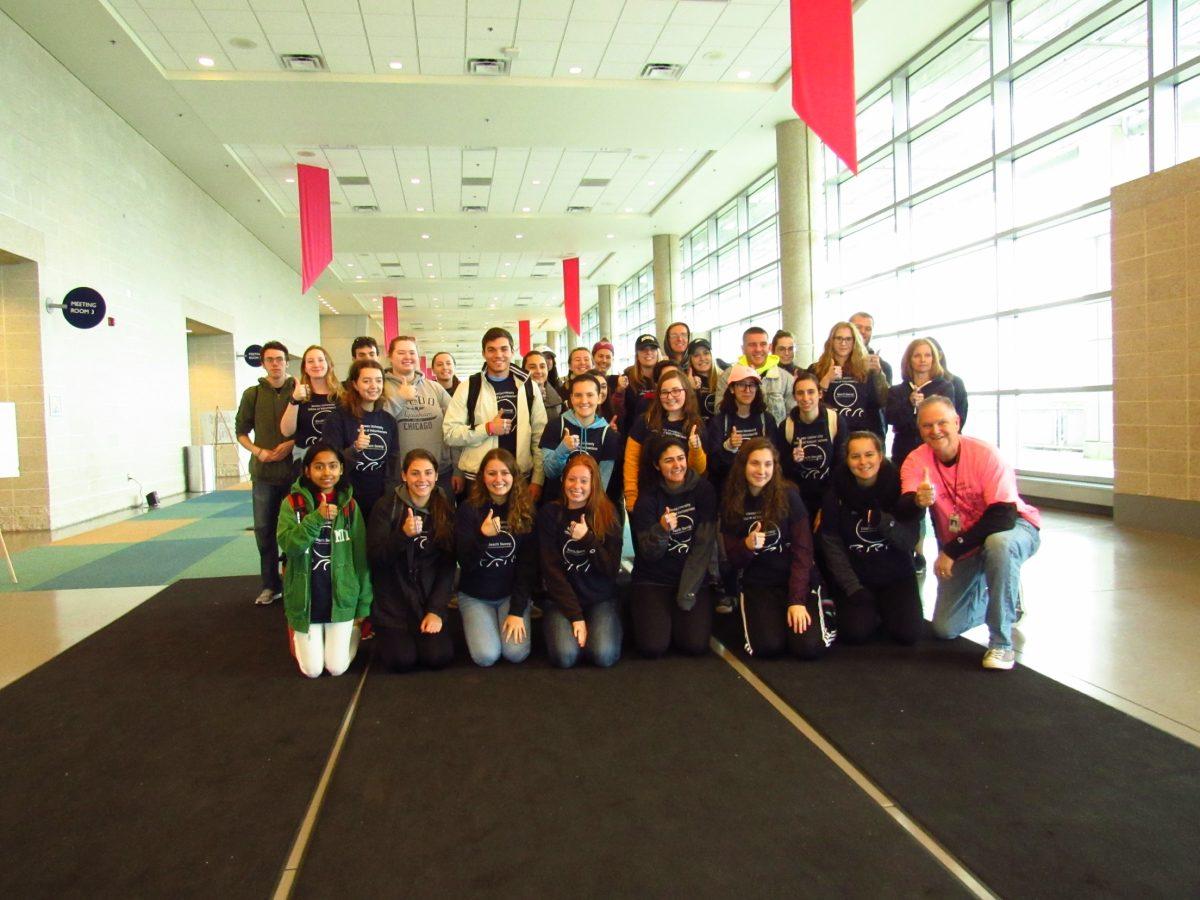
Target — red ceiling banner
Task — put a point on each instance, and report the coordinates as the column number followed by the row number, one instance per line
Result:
column 823, row 73
column 391, row 320
column 571, row 292
column 316, row 223
column 524, row 340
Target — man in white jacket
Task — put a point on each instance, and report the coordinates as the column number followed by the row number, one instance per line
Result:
column 497, row 407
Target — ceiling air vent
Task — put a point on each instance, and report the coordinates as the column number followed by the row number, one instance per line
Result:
column 302, row 62
column 662, row 71
column 353, row 180
column 477, row 182
column 480, row 66
column 366, row 208
column 578, row 210
column 474, row 209
column 594, row 182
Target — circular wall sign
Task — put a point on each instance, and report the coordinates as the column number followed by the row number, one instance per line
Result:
column 83, row 307
column 253, row 355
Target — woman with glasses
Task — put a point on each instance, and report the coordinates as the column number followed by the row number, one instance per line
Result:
column 783, row 345
column 850, row 386
column 673, row 412
column 921, row 376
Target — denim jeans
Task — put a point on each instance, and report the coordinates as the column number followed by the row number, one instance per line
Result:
column 603, row 635
column 267, row 498
column 983, row 587
column 482, row 620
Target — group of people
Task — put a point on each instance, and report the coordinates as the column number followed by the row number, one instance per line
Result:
column 756, row 486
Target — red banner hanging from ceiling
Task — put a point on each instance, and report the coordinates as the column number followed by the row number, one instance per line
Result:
column 391, row 320
column 316, row 223
column 823, row 73
column 571, row 292
column 524, row 340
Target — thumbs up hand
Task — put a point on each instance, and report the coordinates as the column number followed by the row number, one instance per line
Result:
column 578, row 530
column 755, row 539
column 669, row 520
column 694, row 439
column 926, row 495
column 412, row 524
column 406, row 391
column 491, row 525
column 363, row 441
column 622, row 382
column 734, row 440
column 571, row 441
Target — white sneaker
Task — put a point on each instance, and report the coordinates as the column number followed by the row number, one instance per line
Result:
column 999, row 658
column 266, row 597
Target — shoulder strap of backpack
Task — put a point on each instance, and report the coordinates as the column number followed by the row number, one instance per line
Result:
column 529, row 396
column 831, row 416
column 474, row 385
column 789, row 428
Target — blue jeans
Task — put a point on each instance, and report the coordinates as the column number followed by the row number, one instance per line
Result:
column 603, row 635
column 482, row 620
column 267, row 499
column 983, row 587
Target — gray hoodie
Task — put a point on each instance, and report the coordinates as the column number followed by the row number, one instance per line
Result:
column 419, row 420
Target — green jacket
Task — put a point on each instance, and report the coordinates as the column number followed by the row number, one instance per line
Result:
column 299, row 526
column 260, row 411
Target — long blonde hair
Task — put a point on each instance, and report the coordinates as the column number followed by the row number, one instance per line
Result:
column 856, row 366
column 333, row 387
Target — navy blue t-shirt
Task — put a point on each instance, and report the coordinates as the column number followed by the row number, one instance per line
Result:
column 506, row 403
column 320, row 582
column 310, row 419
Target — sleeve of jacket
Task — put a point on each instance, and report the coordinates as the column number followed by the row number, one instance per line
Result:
column 438, row 600
column 633, row 458
column 802, row 551
column 537, row 424
column 454, row 424
column 833, row 551
column 736, row 552
column 789, row 393
column 553, row 576
column 652, row 541
column 898, row 410
column 704, row 537
column 697, row 457
column 879, row 384
column 468, row 541
column 392, row 463
column 296, row 537
column 243, row 422
column 554, row 459
column 358, row 540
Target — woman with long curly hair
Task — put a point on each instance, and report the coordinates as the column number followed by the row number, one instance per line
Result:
column 366, row 434
column 316, row 394
column 493, row 534
column 766, row 535
column 851, row 387
column 410, row 546
column 579, row 542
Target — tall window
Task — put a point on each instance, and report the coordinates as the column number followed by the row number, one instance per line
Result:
column 730, row 269
column 589, row 326
column 634, row 314
column 980, row 214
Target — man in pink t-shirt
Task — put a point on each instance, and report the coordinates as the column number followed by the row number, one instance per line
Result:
column 985, row 531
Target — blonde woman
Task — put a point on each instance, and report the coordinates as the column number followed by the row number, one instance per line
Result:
column 848, row 383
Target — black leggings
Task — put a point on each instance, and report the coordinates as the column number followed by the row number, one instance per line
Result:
column 764, row 611
column 896, row 604
column 399, row 649
column 658, row 622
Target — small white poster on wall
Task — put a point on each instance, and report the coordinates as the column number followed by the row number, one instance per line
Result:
column 10, row 466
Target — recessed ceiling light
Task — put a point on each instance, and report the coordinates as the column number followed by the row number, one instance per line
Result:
column 524, row 209
column 575, row 70
column 420, row 209
column 290, row 180
column 359, row 277
column 629, row 209
column 424, row 237
column 349, row 265
column 610, row 236
column 745, row 73
column 651, row 183
column 502, row 275
column 414, row 181
column 518, row 236
column 431, row 276
column 429, row 265
column 508, row 264
column 395, row 64
column 535, row 181
column 206, row 61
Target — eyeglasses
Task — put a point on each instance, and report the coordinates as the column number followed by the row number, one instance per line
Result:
column 847, row 340
column 747, row 385
column 672, row 392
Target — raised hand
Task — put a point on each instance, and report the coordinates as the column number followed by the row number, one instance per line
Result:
column 407, row 391
column 578, row 530
column 491, row 525
column 755, row 539
column 622, row 382
column 300, row 393
column 571, row 441
column 735, row 438
column 412, row 523
column 926, row 495
column 669, row 520
column 498, row 425
column 694, row 439
column 363, row 441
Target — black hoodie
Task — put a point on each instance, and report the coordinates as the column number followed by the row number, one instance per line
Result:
column 680, row 557
column 411, row 576
column 862, row 541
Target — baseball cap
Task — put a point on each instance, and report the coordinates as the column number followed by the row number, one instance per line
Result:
column 646, row 341
column 697, row 344
column 740, row 373
column 603, row 345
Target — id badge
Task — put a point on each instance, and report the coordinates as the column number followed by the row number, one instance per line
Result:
column 955, row 523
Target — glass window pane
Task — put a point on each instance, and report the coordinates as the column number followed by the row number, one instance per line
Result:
column 727, row 224
column 875, row 125
column 1057, row 263
column 1188, row 31
column 1036, row 21
column 1064, row 434
column 954, row 218
column 949, row 75
column 1188, row 102
column 870, row 190
column 1083, row 166
column 970, row 351
column 764, row 290
column 1112, row 59
column 956, row 144
column 960, row 287
column 879, row 297
column 1070, row 346
column 729, row 264
column 869, row 250
column 762, row 204
column 699, row 241
column 764, row 246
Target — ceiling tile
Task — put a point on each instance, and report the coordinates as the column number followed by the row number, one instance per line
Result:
column 441, row 27
column 585, row 32
column 332, row 6
column 284, row 22
column 337, row 25
column 232, row 21
column 618, row 70
column 665, row 53
column 294, row 43
column 277, row 5
column 441, row 48
column 745, row 14
column 628, row 53
column 540, row 29
column 532, row 68
column 389, row 26
column 580, row 54
column 646, row 11
column 696, row 13
column 493, row 8
column 539, row 51
column 456, row 8
column 179, row 21
column 635, row 33
column 555, row 9
column 497, row 31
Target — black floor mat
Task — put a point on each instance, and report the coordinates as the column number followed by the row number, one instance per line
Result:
column 665, row 778
column 1037, row 788
column 173, row 753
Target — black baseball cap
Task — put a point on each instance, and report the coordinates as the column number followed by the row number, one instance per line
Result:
column 697, row 344
column 646, row 341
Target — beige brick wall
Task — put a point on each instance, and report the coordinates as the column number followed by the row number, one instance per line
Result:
column 24, row 501
column 1156, row 334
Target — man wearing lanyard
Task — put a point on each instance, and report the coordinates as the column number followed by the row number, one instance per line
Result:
column 985, row 531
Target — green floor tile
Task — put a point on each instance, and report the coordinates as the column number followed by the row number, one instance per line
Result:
column 237, row 557
column 39, row 565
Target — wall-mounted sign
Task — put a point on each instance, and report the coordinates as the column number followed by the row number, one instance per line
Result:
column 82, row 307
column 253, row 355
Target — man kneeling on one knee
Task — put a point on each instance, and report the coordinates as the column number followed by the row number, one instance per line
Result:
column 985, row 531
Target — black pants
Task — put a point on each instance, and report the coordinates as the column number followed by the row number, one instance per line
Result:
column 897, row 605
column 401, row 649
column 764, row 612
column 658, row 622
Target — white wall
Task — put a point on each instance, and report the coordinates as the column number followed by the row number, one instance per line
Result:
column 94, row 204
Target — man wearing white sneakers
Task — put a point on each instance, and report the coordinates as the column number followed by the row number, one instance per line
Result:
column 985, row 531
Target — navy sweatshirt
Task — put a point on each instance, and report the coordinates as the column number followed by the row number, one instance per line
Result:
column 902, row 415
column 504, row 565
column 678, row 558
column 371, row 471
column 862, row 542
column 787, row 557
column 576, row 573
column 821, row 452
column 717, row 431
column 310, row 420
column 411, row 576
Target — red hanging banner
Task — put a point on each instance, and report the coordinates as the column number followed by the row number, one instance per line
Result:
column 823, row 73
column 570, row 270
column 391, row 320
column 524, row 341
column 316, row 224
column 424, row 368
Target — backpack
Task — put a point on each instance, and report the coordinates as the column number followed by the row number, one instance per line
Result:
column 475, row 385
column 300, row 507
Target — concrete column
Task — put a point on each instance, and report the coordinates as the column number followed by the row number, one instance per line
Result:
column 552, row 341
column 795, row 234
column 608, row 296
column 666, row 281
column 573, row 340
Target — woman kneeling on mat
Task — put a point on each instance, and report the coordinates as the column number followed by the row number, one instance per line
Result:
column 493, row 531
column 766, row 535
column 674, row 528
column 410, row 544
column 868, row 552
column 579, row 540
column 326, row 586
